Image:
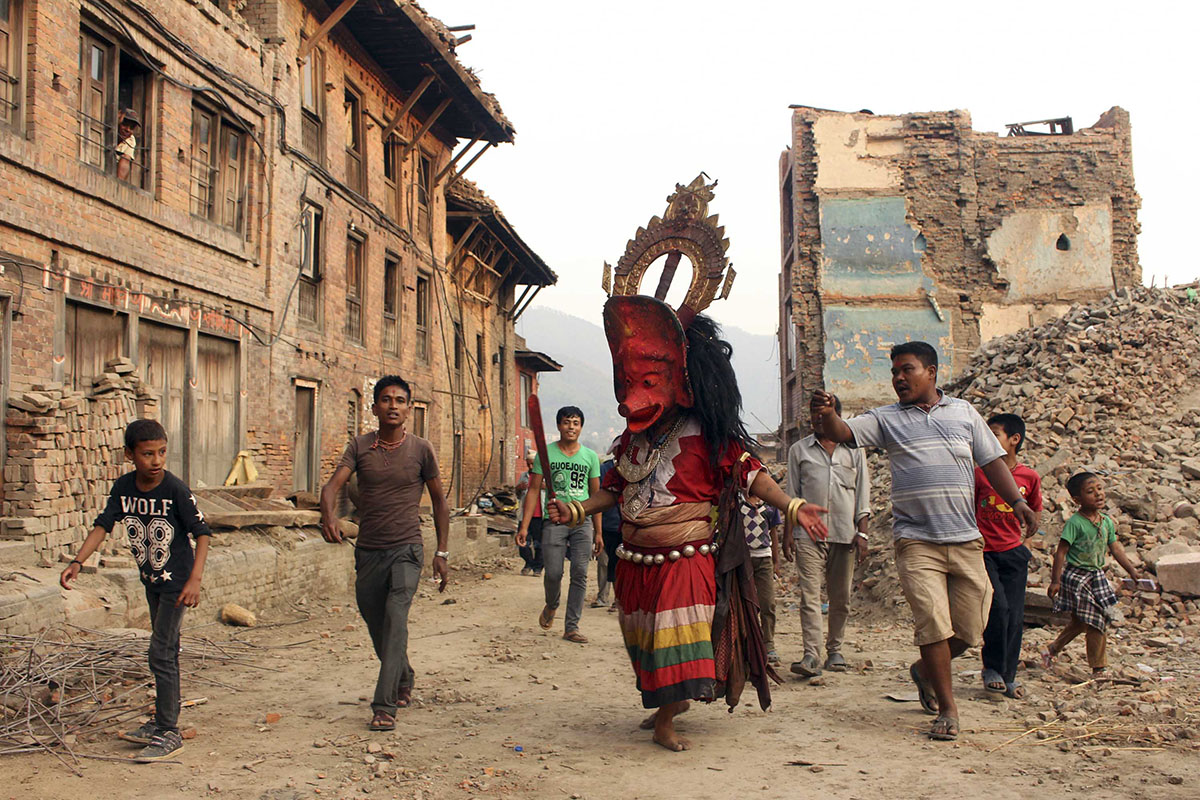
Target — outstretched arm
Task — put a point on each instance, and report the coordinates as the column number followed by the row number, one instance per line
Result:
column 766, row 489
column 330, row 528
column 825, row 418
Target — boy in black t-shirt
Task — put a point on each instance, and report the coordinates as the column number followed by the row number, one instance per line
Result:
column 158, row 512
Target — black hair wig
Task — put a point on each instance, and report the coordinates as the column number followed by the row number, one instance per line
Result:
column 718, row 402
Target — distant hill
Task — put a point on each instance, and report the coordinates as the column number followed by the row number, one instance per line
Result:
column 586, row 378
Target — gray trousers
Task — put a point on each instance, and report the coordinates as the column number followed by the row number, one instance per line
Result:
column 764, row 585
column 558, row 544
column 385, row 583
column 165, row 622
column 834, row 563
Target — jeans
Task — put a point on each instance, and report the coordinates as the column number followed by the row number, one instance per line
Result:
column 532, row 551
column 559, row 543
column 165, row 622
column 1008, row 572
column 384, row 585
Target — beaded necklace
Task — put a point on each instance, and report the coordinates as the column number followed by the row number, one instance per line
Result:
column 385, row 447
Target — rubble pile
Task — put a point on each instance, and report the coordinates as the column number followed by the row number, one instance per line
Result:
column 1113, row 388
column 65, row 448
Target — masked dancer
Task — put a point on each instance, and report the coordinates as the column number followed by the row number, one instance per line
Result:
column 684, row 582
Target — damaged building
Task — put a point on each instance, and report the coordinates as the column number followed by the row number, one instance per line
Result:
column 288, row 222
column 914, row 226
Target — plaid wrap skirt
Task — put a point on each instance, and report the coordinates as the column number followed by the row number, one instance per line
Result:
column 1087, row 594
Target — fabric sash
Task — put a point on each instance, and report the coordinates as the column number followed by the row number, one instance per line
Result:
column 668, row 526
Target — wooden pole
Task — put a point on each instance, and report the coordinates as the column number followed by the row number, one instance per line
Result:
column 306, row 47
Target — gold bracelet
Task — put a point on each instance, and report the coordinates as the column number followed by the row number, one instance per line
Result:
column 793, row 510
column 577, row 513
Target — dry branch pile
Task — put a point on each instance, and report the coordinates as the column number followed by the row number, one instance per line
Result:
column 61, row 688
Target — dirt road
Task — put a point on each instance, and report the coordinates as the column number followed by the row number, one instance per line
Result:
column 490, row 682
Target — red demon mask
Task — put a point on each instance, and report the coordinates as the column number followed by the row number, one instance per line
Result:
column 649, row 353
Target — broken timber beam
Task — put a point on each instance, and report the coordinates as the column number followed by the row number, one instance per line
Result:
column 408, row 104
column 306, row 47
column 437, row 112
column 438, row 180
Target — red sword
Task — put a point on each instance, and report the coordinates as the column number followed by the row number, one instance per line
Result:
column 539, row 439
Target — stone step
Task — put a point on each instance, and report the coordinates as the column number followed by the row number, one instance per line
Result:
column 17, row 553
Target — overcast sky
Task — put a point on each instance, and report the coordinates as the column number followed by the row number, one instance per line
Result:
column 615, row 102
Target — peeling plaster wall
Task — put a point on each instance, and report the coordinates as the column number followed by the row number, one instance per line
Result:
column 1001, row 320
column 915, row 226
column 857, row 342
column 867, row 249
column 847, row 144
column 1025, row 251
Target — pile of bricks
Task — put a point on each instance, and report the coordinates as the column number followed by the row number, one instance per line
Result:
column 64, row 450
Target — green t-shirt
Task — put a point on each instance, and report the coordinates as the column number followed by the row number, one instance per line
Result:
column 570, row 475
column 1089, row 543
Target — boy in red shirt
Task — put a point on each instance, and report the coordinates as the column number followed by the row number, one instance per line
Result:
column 1007, row 560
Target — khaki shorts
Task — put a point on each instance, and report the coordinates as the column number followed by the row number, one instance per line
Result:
column 947, row 588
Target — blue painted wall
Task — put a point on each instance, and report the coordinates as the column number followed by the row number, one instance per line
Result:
column 867, row 249
column 857, row 341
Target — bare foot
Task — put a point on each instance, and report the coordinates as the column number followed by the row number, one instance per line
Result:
column 672, row 741
column 648, row 722
column 665, row 734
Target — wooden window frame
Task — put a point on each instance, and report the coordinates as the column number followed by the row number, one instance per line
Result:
column 312, row 109
column 526, row 392
column 423, row 191
column 421, row 315
column 420, row 419
column 312, row 261
column 391, row 182
column 97, row 135
column 356, row 276
column 391, row 297
column 12, row 64
column 479, row 354
column 356, row 157
column 219, row 180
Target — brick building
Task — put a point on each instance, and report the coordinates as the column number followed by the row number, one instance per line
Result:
column 915, row 226
column 275, row 236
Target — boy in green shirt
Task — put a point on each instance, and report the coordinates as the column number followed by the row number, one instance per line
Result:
column 1077, row 582
column 574, row 475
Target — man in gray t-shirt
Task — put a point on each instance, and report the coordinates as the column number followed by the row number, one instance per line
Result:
column 933, row 443
column 394, row 467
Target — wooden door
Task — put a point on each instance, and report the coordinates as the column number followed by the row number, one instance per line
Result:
column 303, row 478
column 215, row 436
column 162, row 351
column 94, row 337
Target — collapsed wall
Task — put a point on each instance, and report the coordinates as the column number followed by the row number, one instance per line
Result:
column 915, row 226
column 1112, row 388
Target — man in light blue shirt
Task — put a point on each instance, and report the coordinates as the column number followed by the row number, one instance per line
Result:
column 933, row 443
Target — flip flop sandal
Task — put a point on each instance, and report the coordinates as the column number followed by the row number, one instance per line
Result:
column 993, row 682
column 925, row 692
column 405, row 698
column 1015, row 690
column 546, row 618
column 944, row 729
column 382, row 721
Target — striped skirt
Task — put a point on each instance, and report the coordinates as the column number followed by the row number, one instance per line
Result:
column 666, row 618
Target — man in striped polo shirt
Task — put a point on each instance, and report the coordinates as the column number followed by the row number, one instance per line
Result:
column 933, row 443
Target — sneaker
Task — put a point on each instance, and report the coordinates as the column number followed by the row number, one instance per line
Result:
column 806, row 667
column 162, row 745
column 773, row 657
column 141, row 735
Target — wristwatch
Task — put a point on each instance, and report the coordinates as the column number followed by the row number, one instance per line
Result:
column 442, row 554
